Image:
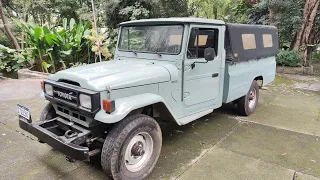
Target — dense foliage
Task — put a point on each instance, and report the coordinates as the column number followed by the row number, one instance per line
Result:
column 13, row 60
column 285, row 14
column 288, row 58
column 54, row 48
column 316, row 57
column 59, row 34
column 63, row 46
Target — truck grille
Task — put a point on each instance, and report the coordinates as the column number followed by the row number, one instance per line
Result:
column 66, row 95
column 72, row 113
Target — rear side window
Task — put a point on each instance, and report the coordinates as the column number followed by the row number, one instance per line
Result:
column 267, row 40
column 200, row 39
column 249, row 41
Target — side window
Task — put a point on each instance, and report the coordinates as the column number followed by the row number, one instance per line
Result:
column 267, row 40
column 200, row 39
column 249, row 41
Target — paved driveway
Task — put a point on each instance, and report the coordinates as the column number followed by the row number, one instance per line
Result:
column 281, row 140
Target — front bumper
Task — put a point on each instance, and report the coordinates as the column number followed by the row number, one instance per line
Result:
column 54, row 132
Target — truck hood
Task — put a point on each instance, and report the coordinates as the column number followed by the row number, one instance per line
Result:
column 117, row 74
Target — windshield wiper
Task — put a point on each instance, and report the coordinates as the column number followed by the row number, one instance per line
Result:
column 134, row 52
column 158, row 53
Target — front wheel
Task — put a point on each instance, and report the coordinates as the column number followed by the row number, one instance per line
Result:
column 248, row 103
column 132, row 148
column 47, row 113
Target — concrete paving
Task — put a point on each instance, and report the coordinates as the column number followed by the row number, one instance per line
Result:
column 281, row 140
column 239, row 167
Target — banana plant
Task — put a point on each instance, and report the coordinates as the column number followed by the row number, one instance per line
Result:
column 64, row 43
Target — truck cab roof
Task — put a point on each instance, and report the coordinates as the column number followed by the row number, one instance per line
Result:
column 173, row 20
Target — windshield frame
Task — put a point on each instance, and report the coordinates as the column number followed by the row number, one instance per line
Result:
column 152, row 52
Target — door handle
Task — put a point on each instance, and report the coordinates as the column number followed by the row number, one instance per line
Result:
column 215, row 75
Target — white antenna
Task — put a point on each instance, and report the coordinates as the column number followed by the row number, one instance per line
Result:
column 96, row 29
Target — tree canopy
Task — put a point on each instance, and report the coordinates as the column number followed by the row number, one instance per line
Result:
column 298, row 21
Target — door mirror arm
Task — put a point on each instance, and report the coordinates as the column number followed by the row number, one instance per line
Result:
column 209, row 55
column 193, row 65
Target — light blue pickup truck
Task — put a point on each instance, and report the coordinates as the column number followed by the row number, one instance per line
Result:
column 173, row 69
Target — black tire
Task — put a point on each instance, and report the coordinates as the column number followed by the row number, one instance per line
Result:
column 243, row 103
column 48, row 112
column 113, row 156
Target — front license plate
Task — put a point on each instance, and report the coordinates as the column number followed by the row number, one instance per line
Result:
column 23, row 112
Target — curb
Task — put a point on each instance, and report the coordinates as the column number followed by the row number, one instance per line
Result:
column 296, row 70
column 26, row 73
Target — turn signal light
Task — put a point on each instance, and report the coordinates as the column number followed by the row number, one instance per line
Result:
column 42, row 85
column 108, row 106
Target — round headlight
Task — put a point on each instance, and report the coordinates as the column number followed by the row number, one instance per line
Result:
column 48, row 89
column 85, row 101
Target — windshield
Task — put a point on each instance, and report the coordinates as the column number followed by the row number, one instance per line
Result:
column 155, row 39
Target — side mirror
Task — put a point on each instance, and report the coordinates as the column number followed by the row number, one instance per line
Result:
column 209, row 54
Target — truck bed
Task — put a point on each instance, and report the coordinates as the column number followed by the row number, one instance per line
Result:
column 239, row 76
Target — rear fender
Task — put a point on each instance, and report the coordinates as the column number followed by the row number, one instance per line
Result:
column 124, row 106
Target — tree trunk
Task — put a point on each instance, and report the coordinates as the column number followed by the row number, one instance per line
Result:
column 7, row 28
column 272, row 19
column 215, row 11
column 303, row 37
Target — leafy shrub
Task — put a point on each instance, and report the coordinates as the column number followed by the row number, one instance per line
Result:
column 289, row 58
column 316, row 57
column 55, row 47
column 13, row 60
column 63, row 46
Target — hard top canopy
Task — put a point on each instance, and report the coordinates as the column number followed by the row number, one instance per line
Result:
column 246, row 42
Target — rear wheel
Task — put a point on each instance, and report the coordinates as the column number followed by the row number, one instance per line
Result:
column 132, row 148
column 248, row 103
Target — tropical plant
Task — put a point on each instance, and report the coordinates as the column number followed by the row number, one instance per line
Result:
column 59, row 46
column 13, row 60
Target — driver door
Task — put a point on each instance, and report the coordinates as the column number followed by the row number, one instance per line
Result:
column 202, row 80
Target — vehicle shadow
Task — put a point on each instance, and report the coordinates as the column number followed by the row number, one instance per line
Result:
column 182, row 144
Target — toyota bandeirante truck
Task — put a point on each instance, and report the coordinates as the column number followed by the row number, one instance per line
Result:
column 174, row 69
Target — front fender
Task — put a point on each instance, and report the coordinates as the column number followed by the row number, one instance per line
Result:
column 124, row 106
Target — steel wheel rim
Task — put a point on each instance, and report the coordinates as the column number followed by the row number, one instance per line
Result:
column 252, row 98
column 138, row 152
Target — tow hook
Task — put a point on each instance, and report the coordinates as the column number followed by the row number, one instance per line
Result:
column 70, row 134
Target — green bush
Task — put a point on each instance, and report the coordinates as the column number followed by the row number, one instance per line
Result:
column 13, row 60
column 316, row 57
column 289, row 58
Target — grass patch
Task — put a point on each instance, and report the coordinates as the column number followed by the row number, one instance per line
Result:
column 283, row 80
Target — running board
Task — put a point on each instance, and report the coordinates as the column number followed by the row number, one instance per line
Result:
column 188, row 119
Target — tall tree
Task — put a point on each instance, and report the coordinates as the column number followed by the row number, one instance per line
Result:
column 285, row 14
column 304, row 37
column 7, row 27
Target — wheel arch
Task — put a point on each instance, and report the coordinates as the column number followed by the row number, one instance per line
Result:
column 259, row 78
column 136, row 105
